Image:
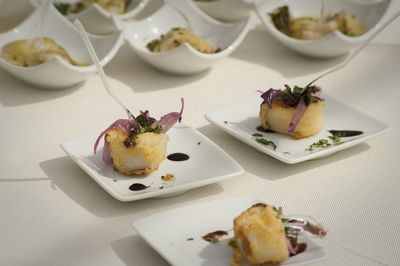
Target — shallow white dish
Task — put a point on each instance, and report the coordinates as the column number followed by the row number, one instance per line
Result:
column 241, row 120
column 207, row 164
column 96, row 19
column 184, row 59
column 226, row 10
column 170, row 236
column 334, row 43
column 57, row 73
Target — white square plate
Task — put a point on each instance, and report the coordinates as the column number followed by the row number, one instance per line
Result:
column 207, row 164
column 169, row 233
column 241, row 120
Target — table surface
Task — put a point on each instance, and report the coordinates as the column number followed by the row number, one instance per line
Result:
column 52, row 213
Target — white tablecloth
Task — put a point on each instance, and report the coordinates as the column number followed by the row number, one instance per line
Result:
column 52, row 213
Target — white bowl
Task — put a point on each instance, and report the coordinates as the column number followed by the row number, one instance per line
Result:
column 57, row 73
column 96, row 19
column 226, row 10
column 335, row 43
column 184, row 59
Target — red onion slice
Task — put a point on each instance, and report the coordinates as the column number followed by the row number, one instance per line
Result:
column 168, row 120
column 123, row 124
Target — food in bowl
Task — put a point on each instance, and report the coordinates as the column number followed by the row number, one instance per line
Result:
column 177, row 36
column 112, row 6
column 314, row 27
column 137, row 145
column 32, row 52
column 296, row 112
column 264, row 235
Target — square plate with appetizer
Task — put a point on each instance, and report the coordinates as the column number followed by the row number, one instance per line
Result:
column 209, row 232
column 193, row 161
column 339, row 127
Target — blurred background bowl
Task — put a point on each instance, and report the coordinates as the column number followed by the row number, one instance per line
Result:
column 184, row 59
column 226, row 10
column 372, row 13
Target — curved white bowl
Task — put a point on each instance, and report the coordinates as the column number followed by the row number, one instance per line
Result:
column 226, row 10
column 335, row 43
column 184, row 59
column 96, row 19
column 57, row 73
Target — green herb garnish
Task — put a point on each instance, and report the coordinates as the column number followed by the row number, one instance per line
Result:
column 232, row 243
column 277, row 210
column 63, row 8
column 78, row 8
column 190, row 239
column 257, row 135
column 146, row 125
column 266, row 142
column 324, row 143
column 212, row 240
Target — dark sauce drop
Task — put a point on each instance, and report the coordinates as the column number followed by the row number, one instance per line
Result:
column 262, row 129
column 214, row 236
column 178, row 156
column 137, row 187
column 298, row 247
column 346, row 133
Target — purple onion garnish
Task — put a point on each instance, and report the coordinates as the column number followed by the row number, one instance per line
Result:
column 296, row 96
column 140, row 124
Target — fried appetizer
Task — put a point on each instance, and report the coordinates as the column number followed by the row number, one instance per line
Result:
column 34, row 52
column 175, row 38
column 140, row 154
column 309, row 28
column 137, row 145
column 112, row 6
column 263, row 235
column 260, row 233
column 297, row 112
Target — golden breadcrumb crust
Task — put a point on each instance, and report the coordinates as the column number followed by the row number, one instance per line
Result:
column 260, row 233
column 149, row 151
column 278, row 118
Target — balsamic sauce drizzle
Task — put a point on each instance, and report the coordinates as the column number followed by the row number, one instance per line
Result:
column 178, row 157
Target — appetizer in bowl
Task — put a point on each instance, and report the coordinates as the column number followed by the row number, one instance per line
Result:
column 226, row 10
column 179, row 38
column 137, row 145
column 343, row 26
column 52, row 56
column 98, row 15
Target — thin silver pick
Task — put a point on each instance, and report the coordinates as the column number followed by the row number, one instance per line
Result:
column 99, row 68
column 358, row 50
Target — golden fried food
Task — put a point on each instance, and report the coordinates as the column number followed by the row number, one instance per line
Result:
column 260, row 233
column 139, row 155
column 278, row 118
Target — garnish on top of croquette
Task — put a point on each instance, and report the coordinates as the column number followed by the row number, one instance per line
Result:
column 297, row 112
column 137, row 145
